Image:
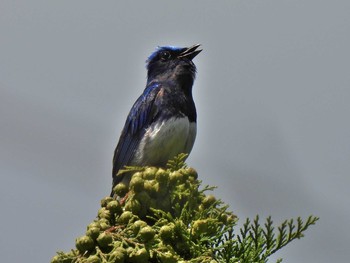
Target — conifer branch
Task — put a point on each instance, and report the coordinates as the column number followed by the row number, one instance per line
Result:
column 166, row 217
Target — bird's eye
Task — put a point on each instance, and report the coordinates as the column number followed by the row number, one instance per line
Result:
column 165, row 55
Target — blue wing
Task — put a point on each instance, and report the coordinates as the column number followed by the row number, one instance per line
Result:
column 140, row 117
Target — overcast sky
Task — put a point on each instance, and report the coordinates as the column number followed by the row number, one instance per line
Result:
column 272, row 95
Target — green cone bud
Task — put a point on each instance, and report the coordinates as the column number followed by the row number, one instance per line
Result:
column 147, row 233
column 139, row 256
column 104, row 223
column 199, row 227
column 208, row 201
column 84, row 243
column 93, row 232
column 94, row 224
column 137, row 183
column 114, row 207
column 137, row 225
column 104, row 213
column 175, row 177
column 121, row 189
column 185, row 174
column 151, row 187
column 106, row 200
column 149, row 173
column 204, row 226
column 191, row 172
column 104, row 239
column 162, row 176
column 167, row 232
column 125, row 218
column 133, row 205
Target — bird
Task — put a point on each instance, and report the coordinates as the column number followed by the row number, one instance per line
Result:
column 162, row 123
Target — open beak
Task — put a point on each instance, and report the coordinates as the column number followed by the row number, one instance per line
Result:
column 190, row 52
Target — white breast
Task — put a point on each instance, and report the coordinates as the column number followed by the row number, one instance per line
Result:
column 162, row 141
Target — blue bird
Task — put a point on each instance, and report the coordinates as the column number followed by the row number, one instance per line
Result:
column 162, row 122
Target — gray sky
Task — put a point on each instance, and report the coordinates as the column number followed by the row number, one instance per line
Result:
column 272, row 95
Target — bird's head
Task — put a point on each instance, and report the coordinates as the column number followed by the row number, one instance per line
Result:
column 172, row 63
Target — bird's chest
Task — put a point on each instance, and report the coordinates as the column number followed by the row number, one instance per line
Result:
column 164, row 140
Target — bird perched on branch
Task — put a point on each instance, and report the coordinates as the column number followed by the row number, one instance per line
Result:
column 162, row 122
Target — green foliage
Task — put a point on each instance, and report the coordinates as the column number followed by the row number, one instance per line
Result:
column 255, row 243
column 164, row 217
column 178, row 162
